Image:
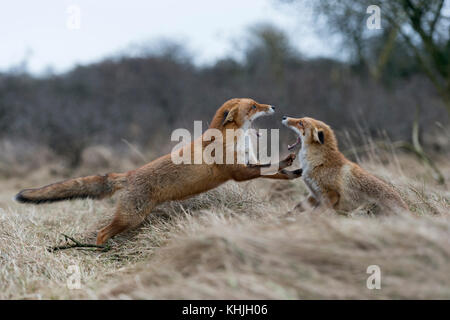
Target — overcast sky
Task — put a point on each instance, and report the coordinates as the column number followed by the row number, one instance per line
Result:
column 38, row 30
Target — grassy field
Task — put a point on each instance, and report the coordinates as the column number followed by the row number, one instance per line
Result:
column 235, row 242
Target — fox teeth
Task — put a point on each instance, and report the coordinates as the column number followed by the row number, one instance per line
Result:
column 291, row 146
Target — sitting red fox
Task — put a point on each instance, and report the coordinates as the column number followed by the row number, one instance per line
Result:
column 162, row 180
column 333, row 180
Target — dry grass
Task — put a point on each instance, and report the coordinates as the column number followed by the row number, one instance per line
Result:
column 234, row 242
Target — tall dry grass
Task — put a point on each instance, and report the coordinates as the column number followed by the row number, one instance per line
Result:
column 234, row 242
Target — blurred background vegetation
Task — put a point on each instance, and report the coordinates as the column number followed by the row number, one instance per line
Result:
column 392, row 76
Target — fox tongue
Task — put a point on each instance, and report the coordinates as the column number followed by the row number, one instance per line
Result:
column 292, row 146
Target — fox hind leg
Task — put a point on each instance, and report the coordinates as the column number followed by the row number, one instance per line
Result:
column 116, row 226
column 124, row 219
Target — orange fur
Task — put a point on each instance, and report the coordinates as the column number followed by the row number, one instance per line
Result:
column 161, row 180
column 333, row 180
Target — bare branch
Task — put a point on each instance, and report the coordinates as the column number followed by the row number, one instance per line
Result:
column 437, row 15
column 77, row 244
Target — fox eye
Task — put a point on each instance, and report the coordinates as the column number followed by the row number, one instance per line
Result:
column 300, row 123
column 254, row 107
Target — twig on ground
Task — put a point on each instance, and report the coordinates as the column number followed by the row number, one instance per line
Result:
column 77, row 244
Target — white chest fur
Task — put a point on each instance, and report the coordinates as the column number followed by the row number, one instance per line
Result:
column 245, row 146
column 305, row 164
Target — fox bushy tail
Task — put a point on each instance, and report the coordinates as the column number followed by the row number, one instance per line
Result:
column 94, row 187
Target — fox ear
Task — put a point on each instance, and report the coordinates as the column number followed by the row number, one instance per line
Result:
column 229, row 115
column 319, row 136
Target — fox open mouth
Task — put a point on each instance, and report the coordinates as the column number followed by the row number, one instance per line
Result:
column 292, row 146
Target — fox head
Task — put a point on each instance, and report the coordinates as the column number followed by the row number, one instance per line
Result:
column 311, row 132
column 239, row 113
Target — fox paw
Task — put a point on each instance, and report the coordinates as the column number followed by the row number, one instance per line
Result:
column 287, row 162
column 292, row 174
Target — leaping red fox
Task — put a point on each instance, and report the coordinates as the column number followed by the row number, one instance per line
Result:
column 161, row 180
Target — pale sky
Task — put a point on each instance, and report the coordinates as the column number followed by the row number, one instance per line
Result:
column 37, row 30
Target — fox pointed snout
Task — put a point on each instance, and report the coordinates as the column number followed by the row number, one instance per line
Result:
column 271, row 109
